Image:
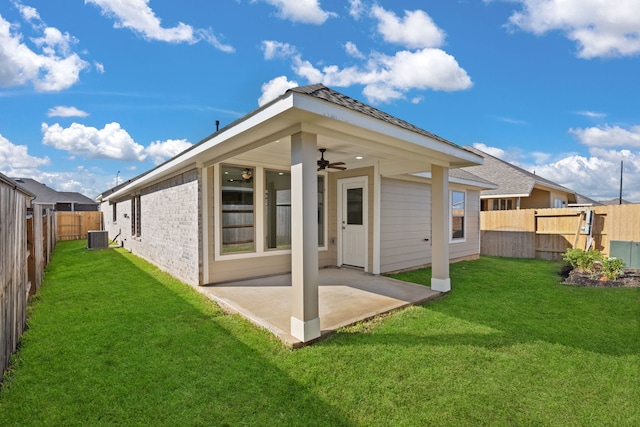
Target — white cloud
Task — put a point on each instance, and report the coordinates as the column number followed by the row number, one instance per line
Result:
column 493, row 151
column 387, row 77
column 592, row 114
column 16, row 161
column 511, row 120
column 64, row 111
column 390, row 77
column 352, row 50
column 110, row 142
column 159, row 151
column 597, row 176
column 600, row 28
column 99, row 67
column 608, row 136
column 356, row 9
column 56, row 67
column 417, row 29
column 136, row 15
column 28, row 13
column 540, row 157
column 274, row 49
column 274, row 88
column 80, row 180
column 304, row 11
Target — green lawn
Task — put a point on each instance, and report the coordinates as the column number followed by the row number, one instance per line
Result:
column 113, row 341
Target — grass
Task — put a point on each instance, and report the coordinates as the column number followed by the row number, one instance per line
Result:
column 113, row 341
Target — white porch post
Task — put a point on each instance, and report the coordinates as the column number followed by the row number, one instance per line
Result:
column 440, row 280
column 305, row 320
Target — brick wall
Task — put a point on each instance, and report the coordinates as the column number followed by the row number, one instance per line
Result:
column 169, row 226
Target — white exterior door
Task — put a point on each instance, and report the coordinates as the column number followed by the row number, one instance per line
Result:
column 353, row 222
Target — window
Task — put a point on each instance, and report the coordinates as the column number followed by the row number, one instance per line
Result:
column 277, row 201
column 354, row 206
column 559, row 203
column 238, row 218
column 502, row 204
column 246, row 228
column 278, row 210
column 457, row 215
column 135, row 216
column 114, row 212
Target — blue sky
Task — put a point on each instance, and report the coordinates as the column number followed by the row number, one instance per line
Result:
column 102, row 90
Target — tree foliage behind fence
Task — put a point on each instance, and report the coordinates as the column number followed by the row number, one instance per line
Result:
column 548, row 233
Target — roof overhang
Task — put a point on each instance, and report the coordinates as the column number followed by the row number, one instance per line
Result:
column 263, row 137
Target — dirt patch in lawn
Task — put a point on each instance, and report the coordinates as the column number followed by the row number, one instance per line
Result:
column 630, row 279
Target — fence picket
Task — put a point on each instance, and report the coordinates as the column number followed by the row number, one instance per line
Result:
column 548, row 233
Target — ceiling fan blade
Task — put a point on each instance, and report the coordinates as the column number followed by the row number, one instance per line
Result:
column 337, row 164
column 333, row 166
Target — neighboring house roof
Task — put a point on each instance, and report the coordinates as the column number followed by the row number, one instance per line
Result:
column 512, row 181
column 464, row 176
column 48, row 196
column 584, row 200
column 615, row 201
column 341, row 124
column 17, row 186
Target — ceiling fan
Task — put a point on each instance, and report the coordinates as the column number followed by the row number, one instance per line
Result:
column 246, row 175
column 324, row 164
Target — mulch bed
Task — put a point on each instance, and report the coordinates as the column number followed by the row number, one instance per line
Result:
column 630, row 279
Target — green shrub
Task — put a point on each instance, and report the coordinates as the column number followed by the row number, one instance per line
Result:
column 582, row 260
column 612, row 267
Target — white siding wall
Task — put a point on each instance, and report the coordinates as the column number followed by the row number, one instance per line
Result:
column 405, row 222
column 170, row 235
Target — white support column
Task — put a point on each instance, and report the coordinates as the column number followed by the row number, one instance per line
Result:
column 440, row 280
column 377, row 208
column 305, row 320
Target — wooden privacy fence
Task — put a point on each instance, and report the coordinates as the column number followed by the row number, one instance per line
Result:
column 548, row 233
column 26, row 242
column 75, row 225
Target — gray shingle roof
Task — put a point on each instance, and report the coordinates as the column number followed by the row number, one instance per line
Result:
column 49, row 196
column 466, row 175
column 322, row 92
column 511, row 180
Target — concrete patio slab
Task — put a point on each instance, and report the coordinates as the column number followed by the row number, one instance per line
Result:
column 346, row 296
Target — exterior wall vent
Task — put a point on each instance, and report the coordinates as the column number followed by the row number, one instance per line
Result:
column 97, row 239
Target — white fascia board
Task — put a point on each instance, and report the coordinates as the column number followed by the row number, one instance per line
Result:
column 401, row 138
column 503, row 196
column 190, row 157
column 454, row 180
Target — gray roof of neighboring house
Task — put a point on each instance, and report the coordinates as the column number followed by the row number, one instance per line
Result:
column 49, row 196
column 614, row 201
column 584, row 200
column 468, row 176
column 510, row 179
